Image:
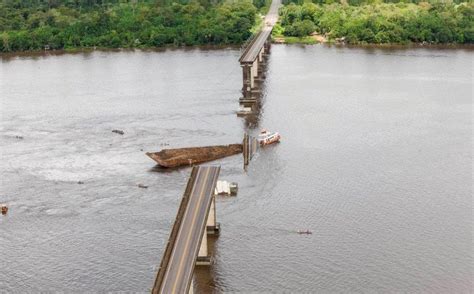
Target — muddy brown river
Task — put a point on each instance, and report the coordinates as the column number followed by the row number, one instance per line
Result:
column 375, row 159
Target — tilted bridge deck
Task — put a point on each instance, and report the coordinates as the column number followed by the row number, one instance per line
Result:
column 177, row 265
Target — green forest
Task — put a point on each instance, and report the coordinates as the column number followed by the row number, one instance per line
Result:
column 365, row 22
column 68, row 24
column 63, row 24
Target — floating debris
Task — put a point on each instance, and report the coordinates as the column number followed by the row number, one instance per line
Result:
column 80, row 182
column 226, row 188
column 304, row 232
column 4, row 209
column 19, row 137
column 142, row 186
column 120, row 132
column 193, row 155
column 244, row 111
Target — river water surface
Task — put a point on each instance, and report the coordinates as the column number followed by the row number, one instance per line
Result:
column 375, row 159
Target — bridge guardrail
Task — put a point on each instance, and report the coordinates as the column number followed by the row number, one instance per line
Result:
column 174, row 232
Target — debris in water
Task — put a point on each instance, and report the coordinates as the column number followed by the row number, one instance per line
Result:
column 226, row 188
column 120, row 132
column 80, row 182
column 244, row 111
column 193, row 155
column 4, row 209
column 142, row 186
column 304, row 232
column 19, row 137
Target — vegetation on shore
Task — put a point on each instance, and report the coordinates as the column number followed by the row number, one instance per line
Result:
column 67, row 24
column 72, row 24
column 367, row 23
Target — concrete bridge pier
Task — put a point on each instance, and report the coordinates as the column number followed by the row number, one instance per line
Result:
column 248, row 79
column 252, row 63
column 267, row 47
column 203, row 257
column 212, row 228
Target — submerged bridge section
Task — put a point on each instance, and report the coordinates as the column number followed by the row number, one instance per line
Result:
column 187, row 245
column 252, row 58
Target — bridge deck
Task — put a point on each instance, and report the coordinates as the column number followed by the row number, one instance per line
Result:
column 253, row 49
column 177, row 266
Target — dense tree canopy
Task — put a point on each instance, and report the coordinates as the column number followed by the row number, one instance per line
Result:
column 57, row 24
column 382, row 22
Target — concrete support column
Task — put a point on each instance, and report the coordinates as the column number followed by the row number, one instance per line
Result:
column 211, row 219
column 212, row 225
column 247, row 79
column 203, row 255
column 203, row 249
column 252, row 76
column 255, row 68
column 191, row 288
column 267, row 46
column 260, row 55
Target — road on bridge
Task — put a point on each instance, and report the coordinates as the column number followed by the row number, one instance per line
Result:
column 180, row 267
column 272, row 16
column 254, row 48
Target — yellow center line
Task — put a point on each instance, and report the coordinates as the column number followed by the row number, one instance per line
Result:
column 180, row 229
column 180, row 267
column 212, row 189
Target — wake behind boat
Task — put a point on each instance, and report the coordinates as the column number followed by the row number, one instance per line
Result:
column 193, row 155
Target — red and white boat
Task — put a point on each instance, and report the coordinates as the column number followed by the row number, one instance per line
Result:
column 267, row 138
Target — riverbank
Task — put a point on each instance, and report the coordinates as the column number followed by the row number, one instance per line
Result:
column 91, row 50
column 31, row 27
column 321, row 40
column 286, row 40
column 382, row 23
column 144, row 25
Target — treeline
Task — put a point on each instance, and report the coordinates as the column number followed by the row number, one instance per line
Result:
column 59, row 24
column 363, row 2
column 382, row 22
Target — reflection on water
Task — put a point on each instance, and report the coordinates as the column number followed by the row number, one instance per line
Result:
column 375, row 160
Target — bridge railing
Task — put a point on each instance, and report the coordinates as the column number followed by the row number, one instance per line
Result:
column 174, row 232
column 252, row 37
column 248, row 44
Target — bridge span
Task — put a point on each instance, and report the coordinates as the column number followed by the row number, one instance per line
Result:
column 196, row 217
column 252, row 57
column 187, row 245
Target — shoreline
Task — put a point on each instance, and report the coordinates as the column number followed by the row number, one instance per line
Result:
column 302, row 42
column 311, row 40
column 30, row 53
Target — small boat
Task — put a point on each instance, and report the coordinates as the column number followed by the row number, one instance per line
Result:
column 193, row 155
column 267, row 138
column 304, row 232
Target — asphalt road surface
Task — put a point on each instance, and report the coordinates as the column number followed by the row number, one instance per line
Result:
column 180, row 267
column 271, row 18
